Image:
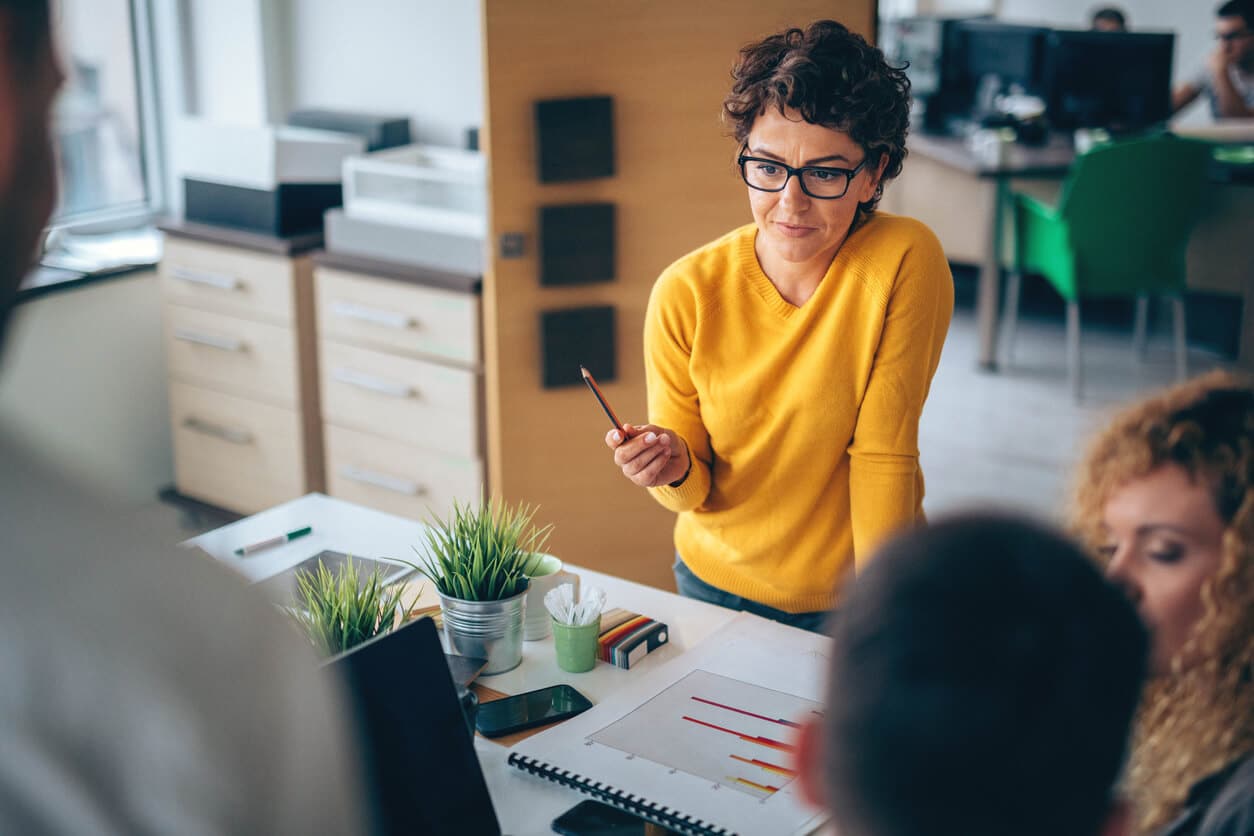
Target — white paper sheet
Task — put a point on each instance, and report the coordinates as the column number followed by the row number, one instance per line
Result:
column 708, row 734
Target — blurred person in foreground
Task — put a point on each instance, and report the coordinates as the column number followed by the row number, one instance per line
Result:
column 141, row 691
column 983, row 679
column 1166, row 499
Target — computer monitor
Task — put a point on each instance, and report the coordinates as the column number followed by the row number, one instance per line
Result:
column 1009, row 52
column 1119, row 81
column 985, row 58
column 929, row 48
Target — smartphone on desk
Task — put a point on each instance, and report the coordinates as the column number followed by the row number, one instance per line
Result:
column 594, row 818
column 534, row 708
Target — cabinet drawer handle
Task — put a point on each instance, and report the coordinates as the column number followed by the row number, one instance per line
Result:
column 218, row 431
column 221, row 343
column 391, row 319
column 382, row 480
column 222, row 281
column 373, row 384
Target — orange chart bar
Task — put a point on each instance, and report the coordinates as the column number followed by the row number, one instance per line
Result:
column 756, row 786
column 769, row 767
column 761, row 741
column 778, row 720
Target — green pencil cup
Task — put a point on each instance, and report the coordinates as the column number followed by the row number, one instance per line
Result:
column 576, row 646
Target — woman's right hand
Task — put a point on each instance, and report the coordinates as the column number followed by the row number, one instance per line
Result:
column 650, row 456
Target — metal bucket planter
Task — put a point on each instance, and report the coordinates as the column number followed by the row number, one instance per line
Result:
column 491, row 630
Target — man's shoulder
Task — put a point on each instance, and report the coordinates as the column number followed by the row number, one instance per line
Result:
column 1243, row 80
column 89, row 573
column 132, row 663
column 1231, row 813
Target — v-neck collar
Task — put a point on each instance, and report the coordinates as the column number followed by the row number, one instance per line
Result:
column 766, row 289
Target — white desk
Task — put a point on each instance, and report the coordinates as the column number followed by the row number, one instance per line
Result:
column 526, row 805
column 523, row 804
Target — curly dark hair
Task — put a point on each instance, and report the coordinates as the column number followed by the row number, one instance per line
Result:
column 834, row 78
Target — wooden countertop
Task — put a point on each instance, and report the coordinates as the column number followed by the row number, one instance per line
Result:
column 428, row 277
column 289, row 246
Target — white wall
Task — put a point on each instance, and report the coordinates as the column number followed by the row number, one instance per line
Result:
column 83, row 379
column 210, row 63
column 229, row 70
column 417, row 58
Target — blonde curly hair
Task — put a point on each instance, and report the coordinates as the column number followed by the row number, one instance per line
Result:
column 1196, row 720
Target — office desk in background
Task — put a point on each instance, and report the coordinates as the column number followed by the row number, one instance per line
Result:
column 965, row 201
column 523, row 805
column 964, row 198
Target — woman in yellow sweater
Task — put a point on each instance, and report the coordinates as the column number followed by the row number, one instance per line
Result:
column 788, row 361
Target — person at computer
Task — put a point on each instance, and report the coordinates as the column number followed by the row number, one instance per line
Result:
column 1228, row 77
column 1165, row 498
column 788, row 361
column 982, row 680
column 1108, row 19
column 140, row 691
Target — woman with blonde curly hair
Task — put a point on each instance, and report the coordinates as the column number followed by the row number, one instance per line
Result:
column 1166, row 498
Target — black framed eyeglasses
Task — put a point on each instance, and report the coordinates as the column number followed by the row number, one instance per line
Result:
column 818, row 181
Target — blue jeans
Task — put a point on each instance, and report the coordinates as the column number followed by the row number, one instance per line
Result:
column 690, row 586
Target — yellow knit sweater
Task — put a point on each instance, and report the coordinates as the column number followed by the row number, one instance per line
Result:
column 802, row 423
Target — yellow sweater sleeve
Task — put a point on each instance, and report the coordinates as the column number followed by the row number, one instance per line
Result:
column 885, row 482
column 673, row 401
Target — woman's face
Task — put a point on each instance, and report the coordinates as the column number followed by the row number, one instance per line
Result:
column 1164, row 540
column 793, row 227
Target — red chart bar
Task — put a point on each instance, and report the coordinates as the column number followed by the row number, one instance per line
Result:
column 761, row 741
column 778, row 720
column 769, row 767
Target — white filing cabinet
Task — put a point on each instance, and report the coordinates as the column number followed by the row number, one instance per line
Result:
column 242, row 365
column 402, row 385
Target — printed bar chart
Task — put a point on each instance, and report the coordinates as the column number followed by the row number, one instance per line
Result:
column 781, row 721
column 729, row 732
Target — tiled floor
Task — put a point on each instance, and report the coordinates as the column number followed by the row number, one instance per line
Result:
column 1011, row 438
column 1007, row 439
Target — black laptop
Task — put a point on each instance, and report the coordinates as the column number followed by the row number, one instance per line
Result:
column 422, row 775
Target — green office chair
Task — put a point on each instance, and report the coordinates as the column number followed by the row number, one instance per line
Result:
column 1121, row 228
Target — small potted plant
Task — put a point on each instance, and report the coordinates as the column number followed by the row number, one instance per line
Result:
column 340, row 610
column 478, row 559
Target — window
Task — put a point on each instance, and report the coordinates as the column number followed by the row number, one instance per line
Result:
column 108, row 166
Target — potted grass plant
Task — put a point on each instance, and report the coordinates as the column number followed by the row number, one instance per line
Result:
column 340, row 610
column 478, row 558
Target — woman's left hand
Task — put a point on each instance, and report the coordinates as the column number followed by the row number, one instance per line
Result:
column 650, row 456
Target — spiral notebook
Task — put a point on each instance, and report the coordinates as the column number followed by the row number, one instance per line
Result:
column 702, row 745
